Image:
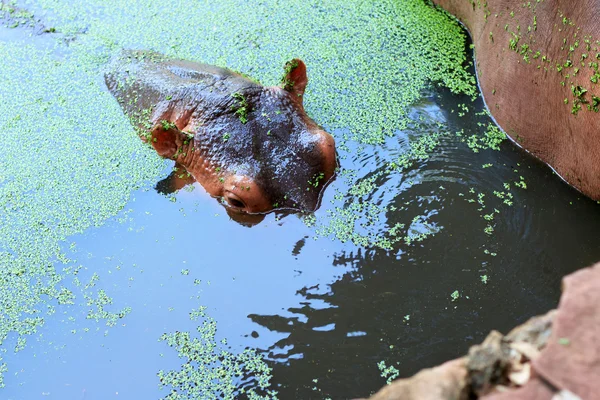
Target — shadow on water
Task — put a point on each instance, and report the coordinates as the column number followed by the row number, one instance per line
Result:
column 179, row 179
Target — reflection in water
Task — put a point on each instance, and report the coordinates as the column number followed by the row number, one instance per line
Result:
column 328, row 310
column 396, row 305
column 177, row 180
column 324, row 312
column 245, row 219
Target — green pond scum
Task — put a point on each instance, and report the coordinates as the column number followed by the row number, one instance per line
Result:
column 70, row 159
column 389, row 373
column 209, row 370
column 68, row 164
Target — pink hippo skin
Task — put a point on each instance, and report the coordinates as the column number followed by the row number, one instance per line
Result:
column 537, row 63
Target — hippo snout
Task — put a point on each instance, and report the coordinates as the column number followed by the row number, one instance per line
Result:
column 243, row 194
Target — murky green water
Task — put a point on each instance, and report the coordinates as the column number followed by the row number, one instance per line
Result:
column 421, row 245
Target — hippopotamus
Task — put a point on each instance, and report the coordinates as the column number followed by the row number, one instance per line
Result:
column 253, row 147
column 537, row 65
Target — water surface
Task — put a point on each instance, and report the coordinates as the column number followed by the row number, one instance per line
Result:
column 395, row 266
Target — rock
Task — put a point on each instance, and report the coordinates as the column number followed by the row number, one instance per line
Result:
column 505, row 360
column 534, row 390
column 571, row 359
column 499, row 362
column 568, row 366
column 448, row 381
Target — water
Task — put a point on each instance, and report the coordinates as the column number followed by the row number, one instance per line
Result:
column 317, row 309
column 321, row 310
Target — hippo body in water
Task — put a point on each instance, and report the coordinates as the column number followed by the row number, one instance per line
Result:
column 252, row 146
column 538, row 69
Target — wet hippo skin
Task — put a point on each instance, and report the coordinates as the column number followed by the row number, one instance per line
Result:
column 537, row 65
column 252, row 146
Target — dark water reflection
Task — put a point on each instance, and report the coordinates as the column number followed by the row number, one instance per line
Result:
column 319, row 309
column 338, row 332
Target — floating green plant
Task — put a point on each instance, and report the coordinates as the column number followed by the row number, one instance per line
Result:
column 361, row 81
column 209, row 370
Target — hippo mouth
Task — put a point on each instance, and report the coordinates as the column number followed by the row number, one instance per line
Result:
column 249, row 219
column 306, row 198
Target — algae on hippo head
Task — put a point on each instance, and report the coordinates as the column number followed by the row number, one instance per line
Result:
column 253, row 146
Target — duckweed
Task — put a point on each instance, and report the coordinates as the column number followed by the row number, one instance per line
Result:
column 455, row 295
column 69, row 162
column 209, row 371
column 372, row 74
column 389, row 373
column 566, row 66
column 491, row 139
column 241, row 109
column 67, row 144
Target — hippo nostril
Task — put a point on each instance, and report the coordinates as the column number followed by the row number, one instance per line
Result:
column 234, row 201
column 243, row 195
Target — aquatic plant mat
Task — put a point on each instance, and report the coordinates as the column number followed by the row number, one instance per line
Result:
column 109, row 288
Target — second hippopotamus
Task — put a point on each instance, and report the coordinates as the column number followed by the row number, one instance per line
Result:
column 252, row 146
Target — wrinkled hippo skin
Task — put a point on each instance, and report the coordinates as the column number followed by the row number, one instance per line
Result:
column 548, row 101
column 252, row 146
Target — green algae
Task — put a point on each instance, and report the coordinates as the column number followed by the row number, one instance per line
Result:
column 389, row 373
column 12, row 17
column 242, row 108
column 68, row 144
column 491, row 139
column 361, row 80
column 364, row 223
column 371, row 69
column 69, row 163
column 570, row 60
column 419, row 150
column 209, row 371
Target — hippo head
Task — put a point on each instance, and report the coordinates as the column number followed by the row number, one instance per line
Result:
column 251, row 146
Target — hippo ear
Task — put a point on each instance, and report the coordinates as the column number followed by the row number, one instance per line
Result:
column 295, row 79
column 166, row 138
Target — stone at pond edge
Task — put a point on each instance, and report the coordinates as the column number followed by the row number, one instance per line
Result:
column 487, row 367
column 569, row 365
column 448, row 381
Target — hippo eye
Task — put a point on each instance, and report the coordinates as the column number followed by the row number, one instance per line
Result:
column 234, row 201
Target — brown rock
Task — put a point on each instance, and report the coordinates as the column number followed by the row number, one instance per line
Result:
column 487, row 363
column 552, row 357
column 535, row 389
column 505, row 361
column 535, row 331
column 448, row 381
column 571, row 360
